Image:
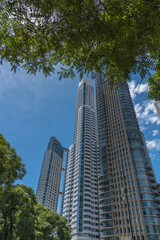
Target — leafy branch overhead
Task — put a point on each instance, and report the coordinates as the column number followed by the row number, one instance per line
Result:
column 118, row 37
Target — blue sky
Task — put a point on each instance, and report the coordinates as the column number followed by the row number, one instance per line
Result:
column 32, row 110
column 35, row 108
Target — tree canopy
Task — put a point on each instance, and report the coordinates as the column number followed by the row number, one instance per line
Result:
column 117, row 37
column 18, row 215
column 51, row 226
column 154, row 86
column 11, row 166
column 21, row 216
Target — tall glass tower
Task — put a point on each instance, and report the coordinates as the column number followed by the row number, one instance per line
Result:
column 80, row 200
column 128, row 196
column 50, row 177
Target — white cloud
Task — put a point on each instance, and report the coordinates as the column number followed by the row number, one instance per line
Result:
column 141, row 88
column 153, row 144
column 134, row 90
column 132, row 86
column 138, row 109
column 155, row 132
column 154, row 119
column 147, row 112
column 142, row 127
column 149, row 107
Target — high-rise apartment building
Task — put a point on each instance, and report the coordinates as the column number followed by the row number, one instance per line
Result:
column 80, row 200
column 50, row 177
column 128, row 196
column 157, row 105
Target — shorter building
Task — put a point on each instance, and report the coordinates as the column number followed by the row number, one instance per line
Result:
column 50, row 177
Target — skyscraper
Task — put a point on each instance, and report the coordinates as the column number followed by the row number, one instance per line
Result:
column 128, row 196
column 80, row 204
column 49, row 181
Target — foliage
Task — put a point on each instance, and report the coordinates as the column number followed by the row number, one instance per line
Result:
column 118, row 37
column 51, row 225
column 17, row 207
column 154, row 86
column 11, row 166
column 21, row 216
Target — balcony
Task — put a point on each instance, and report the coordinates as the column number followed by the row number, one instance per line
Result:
column 157, row 200
column 153, row 186
column 152, row 180
column 149, row 173
column 156, row 193
column 149, row 168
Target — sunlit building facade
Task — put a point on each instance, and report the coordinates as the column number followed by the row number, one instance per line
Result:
column 80, row 201
column 128, row 195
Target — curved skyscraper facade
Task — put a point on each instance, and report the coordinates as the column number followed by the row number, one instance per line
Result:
column 80, row 201
column 129, row 200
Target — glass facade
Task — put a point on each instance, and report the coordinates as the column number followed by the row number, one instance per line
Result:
column 128, row 195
